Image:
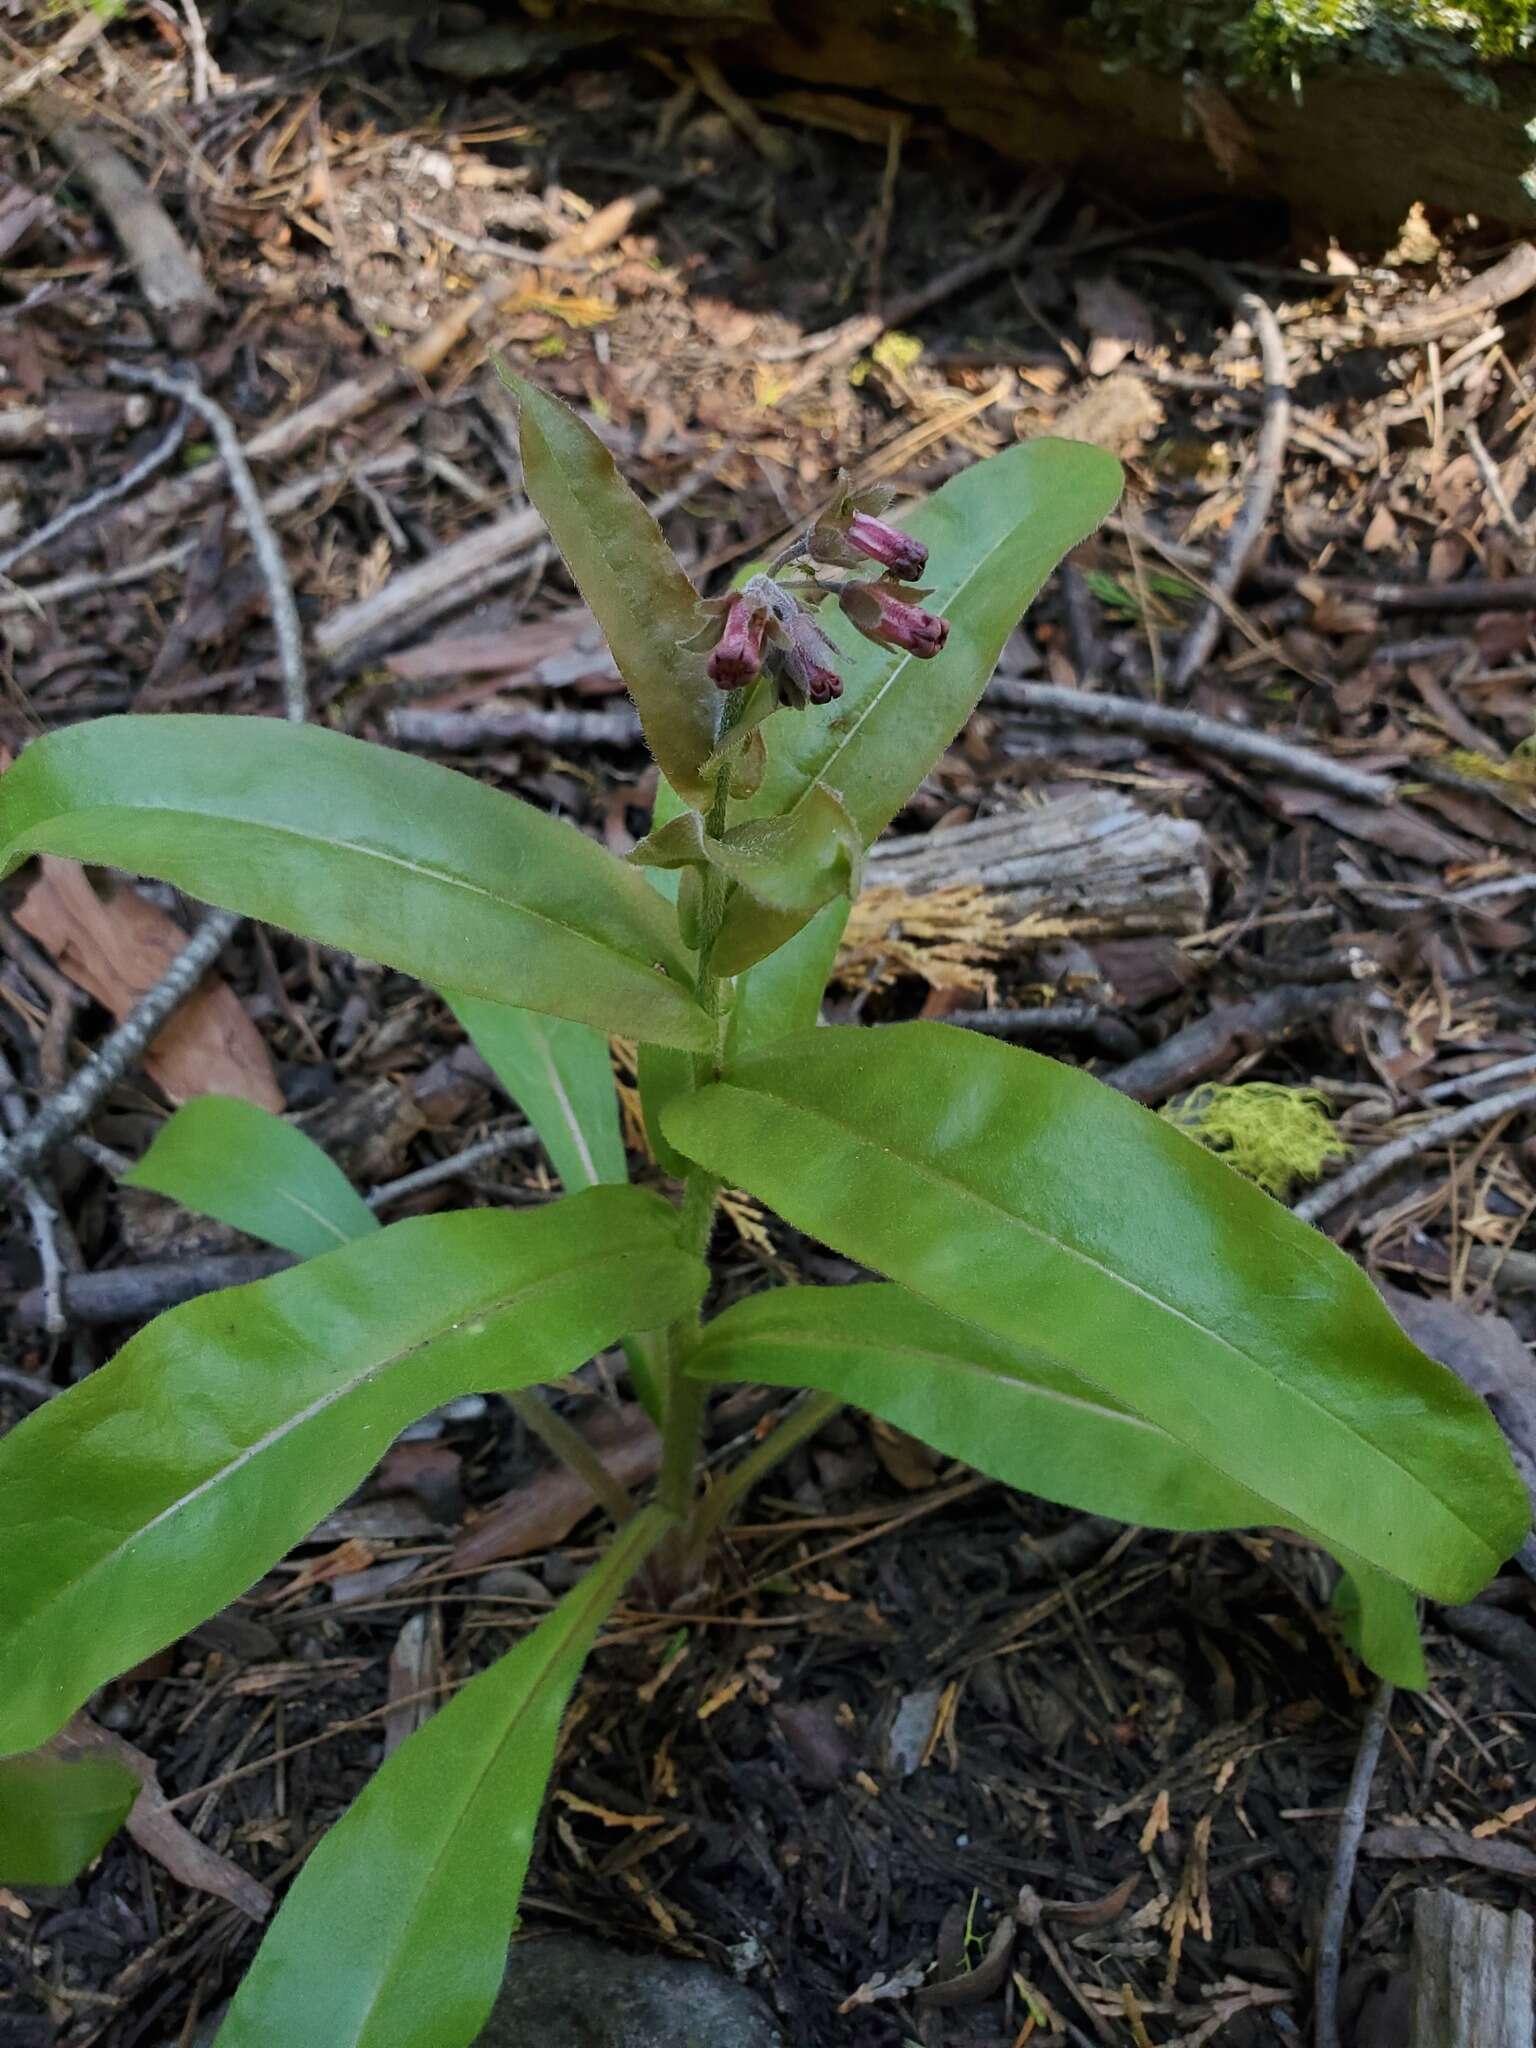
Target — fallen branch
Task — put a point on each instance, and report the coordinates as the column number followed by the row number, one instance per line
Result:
column 1466, row 594
column 1107, row 1034
column 1330, row 1939
column 269, row 556
column 1263, row 478
column 170, row 277
column 1510, row 278
column 464, row 731
column 1189, row 729
column 97, row 501
column 1440, row 1130
column 132, row 1294
column 1203, row 1048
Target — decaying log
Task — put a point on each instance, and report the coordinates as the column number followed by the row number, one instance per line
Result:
column 1093, row 860
column 1471, row 1975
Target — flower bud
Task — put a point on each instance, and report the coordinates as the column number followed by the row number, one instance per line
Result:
column 888, row 545
column 738, row 656
column 888, row 615
column 808, row 660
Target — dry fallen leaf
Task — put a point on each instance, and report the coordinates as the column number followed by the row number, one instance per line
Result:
column 549, row 1506
column 115, row 945
column 1118, row 320
column 157, row 1830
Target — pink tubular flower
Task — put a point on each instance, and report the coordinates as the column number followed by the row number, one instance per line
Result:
column 808, row 660
column 888, row 545
column 889, row 616
column 738, row 656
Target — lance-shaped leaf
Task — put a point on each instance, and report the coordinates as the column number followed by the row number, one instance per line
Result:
column 57, row 1817
column 148, row 1496
column 783, row 992
column 783, row 869
column 560, row 1076
column 993, row 534
column 644, row 603
column 362, row 847
column 1044, row 1207
column 395, row 1932
column 227, row 1158
column 1020, row 1417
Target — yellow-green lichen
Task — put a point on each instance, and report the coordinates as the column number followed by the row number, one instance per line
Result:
column 1274, row 1135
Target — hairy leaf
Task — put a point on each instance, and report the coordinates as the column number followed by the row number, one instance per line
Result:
column 994, row 533
column 226, row 1158
column 57, row 1817
column 148, row 1496
column 363, row 847
column 629, row 576
column 395, row 1932
column 783, row 992
column 560, row 1076
column 1044, row 1207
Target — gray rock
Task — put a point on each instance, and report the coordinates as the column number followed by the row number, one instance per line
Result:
column 565, row 1991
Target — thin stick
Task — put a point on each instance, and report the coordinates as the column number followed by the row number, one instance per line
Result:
column 1189, row 729
column 269, row 556
column 27, row 1384
column 97, row 501
column 573, row 1450
column 1386, row 1159
column 1263, row 479
column 41, row 1214
column 60, row 1115
column 1469, row 1084
column 1351, row 1827
column 516, row 1138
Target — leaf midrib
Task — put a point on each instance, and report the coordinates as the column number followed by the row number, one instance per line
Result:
column 974, row 1196
column 514, row 905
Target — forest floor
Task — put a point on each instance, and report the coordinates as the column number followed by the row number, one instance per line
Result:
column 905, row 1693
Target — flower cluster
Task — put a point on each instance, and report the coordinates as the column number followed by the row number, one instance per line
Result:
column 767, row 628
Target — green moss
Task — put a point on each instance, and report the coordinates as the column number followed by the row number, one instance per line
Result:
column 1282, row 42
column 1273, row 1135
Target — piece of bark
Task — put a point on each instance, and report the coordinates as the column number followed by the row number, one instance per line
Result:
column 71, row 416
column 1500, row 1635
column 1203, row 1048
column 547, row 1507
column 1093, row 861
column 1471, row 1974
column 417, row 592
column 170, row 276
column 1428, row 1843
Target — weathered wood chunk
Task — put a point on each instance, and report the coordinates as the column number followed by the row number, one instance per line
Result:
column 1471, row 1983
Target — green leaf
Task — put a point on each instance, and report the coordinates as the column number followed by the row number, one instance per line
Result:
column 628, row 575
column 57, row 1817
column 663, row 1073
column 560, row 1076
column 1379, row 1619
column 994, row 533
column 151, row 1494
column 360, row 846
column 230, row 1159
column 783, row 992
column 784, row 871
column 1018, row 1416
column 1049, row 1210
column 395, row 1932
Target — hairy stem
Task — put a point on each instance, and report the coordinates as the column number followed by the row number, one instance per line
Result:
column 573, row 1450
column 802, row 1422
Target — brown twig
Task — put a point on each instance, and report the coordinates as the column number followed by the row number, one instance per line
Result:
column 515, row 1138
column 1263, row 478
column 1440, row 1130
column 1347, row 1848
column 269, row 556
column 463, row 731
column 1189, row 729
column 1108, row 1034
column 1507, row 279
column 1205, row 1047
column 134, row 1293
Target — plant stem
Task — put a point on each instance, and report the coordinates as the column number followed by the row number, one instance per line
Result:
column 802, row 1422
column 573, row 1450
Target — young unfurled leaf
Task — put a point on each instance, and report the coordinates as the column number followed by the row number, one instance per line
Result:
column 784, row 870
column 220, row 1435
column 359, row 846
column 993, row 534
column 560, row 1076
column 57, row 1817
column 229, row 1159
column 644, row 603
column 395, row 1932
column 1033, row 1201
